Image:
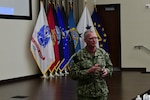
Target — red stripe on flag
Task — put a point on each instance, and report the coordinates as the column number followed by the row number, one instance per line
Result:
column 38, row 49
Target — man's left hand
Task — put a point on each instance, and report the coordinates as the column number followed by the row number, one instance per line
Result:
column 104, row 72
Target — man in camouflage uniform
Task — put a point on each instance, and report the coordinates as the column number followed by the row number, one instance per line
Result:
column 89, row 66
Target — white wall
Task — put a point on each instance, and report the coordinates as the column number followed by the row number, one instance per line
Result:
column 135, row 30
column 15, row 56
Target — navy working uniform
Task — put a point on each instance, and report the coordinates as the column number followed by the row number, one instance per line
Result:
column 91, row 85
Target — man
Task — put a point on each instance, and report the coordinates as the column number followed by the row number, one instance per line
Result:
column 89, row 66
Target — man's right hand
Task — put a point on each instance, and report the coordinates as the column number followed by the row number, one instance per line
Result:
column 94, row 69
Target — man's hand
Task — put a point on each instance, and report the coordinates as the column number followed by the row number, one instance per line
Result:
column 94, row 69
column 104, row 72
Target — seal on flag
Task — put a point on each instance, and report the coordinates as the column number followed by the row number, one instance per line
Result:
column 43, row 35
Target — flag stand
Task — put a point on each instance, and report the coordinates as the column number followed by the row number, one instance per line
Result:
column 44, row 76
column 61, row 74
column 66, row 71
column 56, row 74
column 51, row 75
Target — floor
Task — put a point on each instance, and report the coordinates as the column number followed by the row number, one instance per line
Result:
column 122, row 86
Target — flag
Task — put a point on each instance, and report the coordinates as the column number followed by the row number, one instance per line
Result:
column 84, row 24
column 73, row 30
column 51, row 23
column 64, row 17
column 103, row 41
column 41, row 43
column 58, row 32
column 63, row 42
column 68, row 34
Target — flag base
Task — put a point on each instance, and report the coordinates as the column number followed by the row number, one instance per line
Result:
column 66, row 72
column 44, row 76
column 56, row 74
column 51, row 75
column 61, row 74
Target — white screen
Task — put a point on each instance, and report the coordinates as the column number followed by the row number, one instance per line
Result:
column 15, row 7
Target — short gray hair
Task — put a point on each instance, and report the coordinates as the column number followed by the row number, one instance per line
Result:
column 86, row 33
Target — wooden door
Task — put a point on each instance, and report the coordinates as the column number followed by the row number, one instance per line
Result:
column 110, row 17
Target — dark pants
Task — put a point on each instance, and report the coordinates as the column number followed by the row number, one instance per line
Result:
column 92, row 98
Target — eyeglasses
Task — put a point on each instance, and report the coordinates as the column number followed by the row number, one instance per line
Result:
column 93, row 38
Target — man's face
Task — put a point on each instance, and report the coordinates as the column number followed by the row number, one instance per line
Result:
column 91, row 40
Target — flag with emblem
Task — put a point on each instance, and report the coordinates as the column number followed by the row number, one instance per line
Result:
column 68, row 35
column 51, row 23
column 58, row 32
column 73, row 30
column 103, row 41
column 63, row 42
column 41, row 42
column 84, row 24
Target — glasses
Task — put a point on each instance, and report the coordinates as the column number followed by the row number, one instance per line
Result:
column 93, row 38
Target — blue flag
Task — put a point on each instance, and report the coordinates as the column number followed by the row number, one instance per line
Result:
column 103, row 41
column 73, row 30
column 64, row 40
column 69, row 36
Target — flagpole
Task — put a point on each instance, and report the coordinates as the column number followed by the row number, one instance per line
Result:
column 71, row 3
column 95, row 5
column 57, row 2
column 42, row 1
column 44, row 74
column 85, row 1
column 94, row 2
column 49, row 2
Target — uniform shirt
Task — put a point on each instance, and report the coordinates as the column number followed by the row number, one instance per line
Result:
column 93, row 84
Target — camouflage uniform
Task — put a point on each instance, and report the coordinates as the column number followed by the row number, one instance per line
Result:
column 90, row 85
